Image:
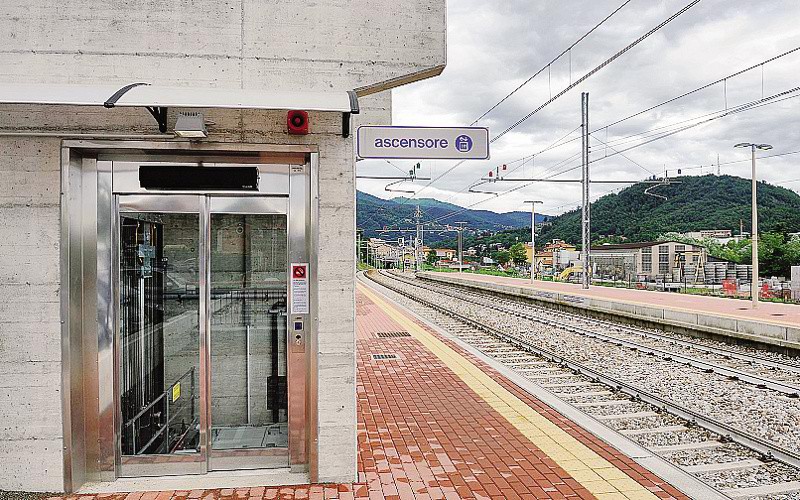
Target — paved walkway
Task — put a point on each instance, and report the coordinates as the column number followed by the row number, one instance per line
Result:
column 474, row 430
column 771, row 312
column 437, row 423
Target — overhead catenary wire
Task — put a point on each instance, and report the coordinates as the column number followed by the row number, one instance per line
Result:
column 775, row 98
column 523, row 160
column 676, row 127
column 548, row 66
column 572, row 85
column 746, row 107
column 597, row 68
column 706, row 86
column 623, row 155
column 678, row 97
column 748, row 160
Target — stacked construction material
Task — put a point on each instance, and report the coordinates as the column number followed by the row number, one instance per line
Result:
column 744, row 273
column 717, row 272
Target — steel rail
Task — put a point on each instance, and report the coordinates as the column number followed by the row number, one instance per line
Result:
column 710, row 367
column 767, row 448
column 786, row 388
column 750, row 358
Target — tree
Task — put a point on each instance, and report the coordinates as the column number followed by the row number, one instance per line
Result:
column 694, row 204
column 502, row 257
column 431, row 259
column 777, row 254
column 792, row 254
column 517, row 253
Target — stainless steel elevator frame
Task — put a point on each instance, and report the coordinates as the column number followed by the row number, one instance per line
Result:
column 90, row 193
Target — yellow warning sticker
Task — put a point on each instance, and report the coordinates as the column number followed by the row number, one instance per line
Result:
column 176, row 392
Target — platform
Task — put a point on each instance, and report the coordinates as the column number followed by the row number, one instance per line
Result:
column 437, row 422
column 770, row 323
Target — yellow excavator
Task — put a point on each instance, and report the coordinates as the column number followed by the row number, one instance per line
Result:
column 566, row 273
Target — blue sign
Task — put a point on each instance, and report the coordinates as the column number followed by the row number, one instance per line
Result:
column 463, row 143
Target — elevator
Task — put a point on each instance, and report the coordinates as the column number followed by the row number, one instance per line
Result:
column 199, row 357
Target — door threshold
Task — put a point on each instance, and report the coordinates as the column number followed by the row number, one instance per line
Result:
column 211, row 480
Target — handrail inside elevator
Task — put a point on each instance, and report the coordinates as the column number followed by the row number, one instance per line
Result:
column 167, row 420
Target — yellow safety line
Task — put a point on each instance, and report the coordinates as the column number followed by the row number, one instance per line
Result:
column 604, row 480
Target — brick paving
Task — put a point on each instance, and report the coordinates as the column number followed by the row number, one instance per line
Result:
column 424, row 434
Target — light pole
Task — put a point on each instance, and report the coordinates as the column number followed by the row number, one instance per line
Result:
column 754, row 215
column 533, row 237
column 460, row 229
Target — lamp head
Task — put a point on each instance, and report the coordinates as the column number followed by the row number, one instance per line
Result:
column 191, row 125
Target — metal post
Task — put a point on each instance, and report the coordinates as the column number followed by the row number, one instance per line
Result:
column 586, row 236
column 754, row 223
column 754, row 236
column 418, row 241
column 166, row 422
column 460, row 251
column 460, row 231
column 533, row 242
column 533, row 237
column 247, row 365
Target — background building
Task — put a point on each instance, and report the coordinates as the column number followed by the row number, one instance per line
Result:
column 646, row 260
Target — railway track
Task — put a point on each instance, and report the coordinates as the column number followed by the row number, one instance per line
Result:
column 736, row 460
column 764, row 372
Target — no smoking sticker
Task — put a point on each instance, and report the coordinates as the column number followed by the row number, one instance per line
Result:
column 299, row 289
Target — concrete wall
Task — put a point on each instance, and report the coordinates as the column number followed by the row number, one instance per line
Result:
column 222, row 43
column 254, row 44
column 30, row 329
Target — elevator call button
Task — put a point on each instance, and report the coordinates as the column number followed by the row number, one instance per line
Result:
column 299, row 335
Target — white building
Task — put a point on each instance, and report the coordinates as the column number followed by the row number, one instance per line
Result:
column 131, row 257
column 646, row 259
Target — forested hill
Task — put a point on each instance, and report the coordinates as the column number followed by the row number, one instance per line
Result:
column 375, row 213
column 697, row 202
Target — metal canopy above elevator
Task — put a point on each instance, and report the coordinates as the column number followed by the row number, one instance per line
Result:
column 157, row 99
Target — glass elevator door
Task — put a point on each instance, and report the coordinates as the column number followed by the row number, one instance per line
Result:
column 248, row 287
column 159, row 341
column 202, row 333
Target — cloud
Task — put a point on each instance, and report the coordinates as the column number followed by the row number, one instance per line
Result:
column 495, row 46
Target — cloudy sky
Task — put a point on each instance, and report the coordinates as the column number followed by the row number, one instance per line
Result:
column 495, row 46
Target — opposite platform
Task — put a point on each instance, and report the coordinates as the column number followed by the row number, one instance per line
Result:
column 770, row 323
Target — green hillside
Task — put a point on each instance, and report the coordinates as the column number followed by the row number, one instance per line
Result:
column 696, row 203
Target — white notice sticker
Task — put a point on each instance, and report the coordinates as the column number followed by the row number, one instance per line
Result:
column 299, row 289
